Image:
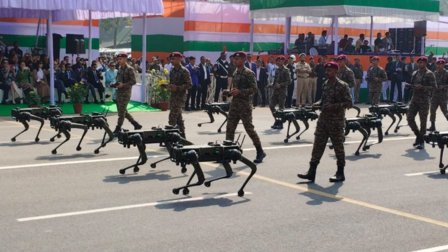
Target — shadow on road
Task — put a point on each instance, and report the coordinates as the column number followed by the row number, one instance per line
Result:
column 125, row 179
column 417, row 155
column 316, row 197
column 182, row 206
column 62, row 156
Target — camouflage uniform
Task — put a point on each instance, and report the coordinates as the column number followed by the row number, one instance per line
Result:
column 126, row 75
column 282, row 77
column 348, row 76
column 331, row 123
column 241, row 105
column 440, row 96
column 376, row 87
column 421, row 99
column 180, row 76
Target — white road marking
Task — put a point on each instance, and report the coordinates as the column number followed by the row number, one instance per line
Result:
column 155, row 156
column 420, row 173
column 75, row 162
column 435, row 249
column 101, row 210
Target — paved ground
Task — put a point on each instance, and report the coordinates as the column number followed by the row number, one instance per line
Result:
column 394, row 199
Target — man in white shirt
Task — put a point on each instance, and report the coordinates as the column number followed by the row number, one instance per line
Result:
column 169, row 65
column 323, row 43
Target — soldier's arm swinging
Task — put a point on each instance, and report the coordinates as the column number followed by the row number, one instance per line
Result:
column 347, row 99
column 132, row 81
column 432, row 85
column 287, row 79
column 252, row 81
column 382, row 76
column 187, row 82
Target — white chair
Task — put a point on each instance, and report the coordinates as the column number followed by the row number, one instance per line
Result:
column 313, row 51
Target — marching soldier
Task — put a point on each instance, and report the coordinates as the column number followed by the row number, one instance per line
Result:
column 281, row 81
column 336, row 98
column 376, row 76
column 180, row 82
column 221, row 72
column 125, row 81
column 423, row 83
column 244, row 86
column 346, row 74
column 440, row 96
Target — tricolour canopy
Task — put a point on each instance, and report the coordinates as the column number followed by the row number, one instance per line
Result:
column 414, row 9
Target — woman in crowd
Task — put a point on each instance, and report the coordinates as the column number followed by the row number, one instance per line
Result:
column 111, row 78
column 15, row 62
column 9, row 76
column 41, row 83
column 24, row 78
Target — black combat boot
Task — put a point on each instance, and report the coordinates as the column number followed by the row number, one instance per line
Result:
column 137, row 126
column 117, row 131
column 310, row 174
column 433, row 127
column 280, row 124
column 339, row 176
column 421, row 144
column 260, row 154
column 275, row 125
column 417, row 139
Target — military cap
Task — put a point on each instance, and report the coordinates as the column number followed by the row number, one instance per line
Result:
column 423, row 58
column 333, row 65
column 281, row 57
column 441, row 61
column 176, row 55
column 223, row 53
column 124, row 55
column 240, row 54
column 342, row 57
column 375, row 58
column 302, row 54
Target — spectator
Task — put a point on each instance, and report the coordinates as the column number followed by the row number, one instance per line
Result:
column 343, row 43
column 359, row 42
column 94, row 78
column 365, row 48
column 204, row 82
column 387, row 84
column 136, row 67
column 262, row 81
column 321, row 77
column 154, row 65
column 17, row 50
column 409, row 69
column 58, row 82
column 378, row 40
column 387, row 42
column 323, row 43
column 194, row 73
column 68, row 77
column 9, row 75
column 359, row 72
column 249, row 64
column 168, row 65
column 41, row 83
column 66, row 59
column 312, row 83
column 111, row 78
column 300, row 40
column 349, row 47
column 397, row 79
column 24, row 78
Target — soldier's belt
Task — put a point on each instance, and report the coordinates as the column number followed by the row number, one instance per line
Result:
column 222, row 76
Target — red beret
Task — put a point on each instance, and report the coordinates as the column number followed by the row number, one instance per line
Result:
column 281, row 57
column 176, row 55
column 124, row 55
column 332, row 65
column 441, row 61
column 342, row 57
column 375, row 58
column 240, row 54
column 423, row 58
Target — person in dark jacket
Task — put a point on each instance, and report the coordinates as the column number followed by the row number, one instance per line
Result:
column 262, row 81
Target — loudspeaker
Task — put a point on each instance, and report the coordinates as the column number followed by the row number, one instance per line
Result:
column 75, row 44
column 420, row 28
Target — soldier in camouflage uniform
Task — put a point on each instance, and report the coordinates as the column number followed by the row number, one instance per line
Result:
column 180, row 82
column 345, row 74
column 376, row 76
column 440, row 96
column 281, row 81
column 244, row 86
column 336, row 98
column 125, row 81
column 423, row 83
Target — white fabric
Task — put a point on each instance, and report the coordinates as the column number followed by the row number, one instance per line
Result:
column 40, row 75
column 258, row 73
column 205, row 71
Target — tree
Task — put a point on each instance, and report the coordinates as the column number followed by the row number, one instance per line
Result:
column 114, row 24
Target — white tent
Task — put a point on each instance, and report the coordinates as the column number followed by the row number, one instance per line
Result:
column 60, row 10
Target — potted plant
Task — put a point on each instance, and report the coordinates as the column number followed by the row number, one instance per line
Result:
column 32, row 99
column 164, row 94
column 78, row 93
column 158, row 78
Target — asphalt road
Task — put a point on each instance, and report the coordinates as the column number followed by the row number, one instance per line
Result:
column 393, row 199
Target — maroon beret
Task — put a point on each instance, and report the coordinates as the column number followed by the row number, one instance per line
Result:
column 375, row 58
column 240, row 54
column 332, row 65
column 176, row 55
column 124, row 55
column 342, row 57
column 423, row 58
column 441, row 61
column 281, row 57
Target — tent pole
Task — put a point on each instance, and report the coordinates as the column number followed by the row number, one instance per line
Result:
column 371, row 30
column 287, row 34
column 50, row 55
column 90, row 37
column 251, row 37
column 37, row 33
column 143, row 63
column 336, row 33
column 331, row 29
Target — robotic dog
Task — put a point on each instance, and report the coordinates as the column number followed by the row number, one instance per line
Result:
column 25, row 115
column 169, row 136
column 397, row 109
column 226, row 152
column 294, row 115
column 216, row 108
column 65, row 124
column 440, row 139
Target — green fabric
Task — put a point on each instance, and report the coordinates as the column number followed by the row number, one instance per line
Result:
column 5, row 110
column 26, row 41
column 418, row 5
column 157, row 43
